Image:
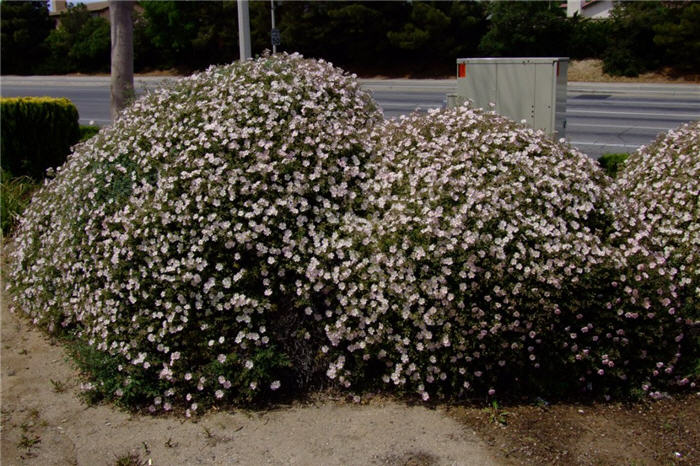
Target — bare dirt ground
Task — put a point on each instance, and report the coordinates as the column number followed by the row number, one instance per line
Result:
column 45, row 423
column 643, row 433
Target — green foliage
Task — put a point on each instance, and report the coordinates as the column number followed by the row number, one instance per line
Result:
column 437, row 32
column 105, row 377
column 409, row 38
column 15, row 194
column 37, row 133
column 612, row 163
column 372, row 37
column 526, row 29
column 190, row 35
column 648, row 35
column 497, row 415
column 589, row 38
column 129, row 459
column 88, row 131
column 681, row 39
column 423, row 31
column 81, row 42
column 416, row 38
column 314, row 29
column 25, row 25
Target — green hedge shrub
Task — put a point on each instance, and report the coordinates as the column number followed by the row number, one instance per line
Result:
column 37, row 133
column 612, row 163
column 88, row 131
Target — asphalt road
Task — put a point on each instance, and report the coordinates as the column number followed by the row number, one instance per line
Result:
column 601, row 117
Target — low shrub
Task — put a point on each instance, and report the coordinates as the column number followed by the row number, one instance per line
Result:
column 15, row 193
column 178, row 241
column 37, row 134
column 88, row 131
column 611, row 163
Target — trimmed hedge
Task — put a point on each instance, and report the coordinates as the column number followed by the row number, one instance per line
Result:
column 37, row 133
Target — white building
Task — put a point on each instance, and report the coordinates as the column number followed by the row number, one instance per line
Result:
column 589, row 8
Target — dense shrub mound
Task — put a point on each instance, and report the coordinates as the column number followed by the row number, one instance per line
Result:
column 178, row 241
column 662, row 182
column 487, row 267
column 255, row 228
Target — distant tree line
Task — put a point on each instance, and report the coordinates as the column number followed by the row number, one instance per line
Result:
column 419, row 38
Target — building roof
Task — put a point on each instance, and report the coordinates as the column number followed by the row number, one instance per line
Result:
column 60, row 7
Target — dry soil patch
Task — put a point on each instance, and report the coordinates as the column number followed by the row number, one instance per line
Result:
column 44, row 423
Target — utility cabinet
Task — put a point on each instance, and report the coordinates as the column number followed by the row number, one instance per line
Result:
column 530, row 89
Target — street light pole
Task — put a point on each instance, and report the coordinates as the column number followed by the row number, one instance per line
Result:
column 243, row 30
column 272, row 8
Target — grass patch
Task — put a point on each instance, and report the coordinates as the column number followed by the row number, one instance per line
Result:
column 27, row 442
column 15, row 194
column 58, row 386
column 129, row 459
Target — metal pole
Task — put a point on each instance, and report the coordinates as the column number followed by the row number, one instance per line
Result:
column 272, row 8
column 243, row 30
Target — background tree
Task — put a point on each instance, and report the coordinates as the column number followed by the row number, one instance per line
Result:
column 632, row 49
column 24, row 27
column 680, row 37
column 191, row 35
column 526, row 29
column 588, row 38
column 81, row 42
column 436, row 33
column 345, row 33
column 646, row 36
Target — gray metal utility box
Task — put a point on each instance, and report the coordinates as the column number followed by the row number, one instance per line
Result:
column 530, row 89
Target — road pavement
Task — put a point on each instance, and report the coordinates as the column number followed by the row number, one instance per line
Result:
column 601, row 117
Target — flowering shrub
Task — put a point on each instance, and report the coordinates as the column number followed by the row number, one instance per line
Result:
column 254, row 229
column 663, row 182
column 491, row 262
column 177, row 242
